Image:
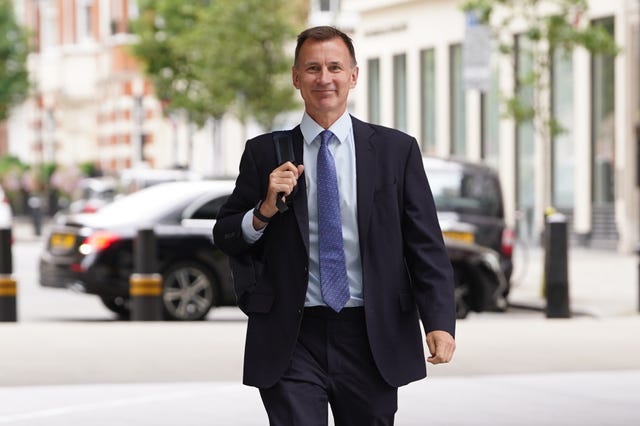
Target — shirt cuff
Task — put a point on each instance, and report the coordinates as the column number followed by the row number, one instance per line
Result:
column 249, row 233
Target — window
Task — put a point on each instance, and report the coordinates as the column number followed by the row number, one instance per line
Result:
column 563, row 158
column 428, row 101
column 602, row 122
column 465, row 192
column 373, row 90
column 525, row 184
column 400, row 92
column 490, row 111
column 210, row 209
column 458, row 107
column 48, row 26
column 84, row 13
column 329, row 5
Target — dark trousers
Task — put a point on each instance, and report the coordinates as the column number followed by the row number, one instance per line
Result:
column 331, row 364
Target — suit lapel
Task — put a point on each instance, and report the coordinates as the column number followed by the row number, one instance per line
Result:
column 365, row 171
column 300, row 208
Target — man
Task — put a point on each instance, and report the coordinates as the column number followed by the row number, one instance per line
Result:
column 335, row 284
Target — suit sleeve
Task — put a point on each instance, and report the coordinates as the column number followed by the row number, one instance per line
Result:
column 244, row 258
column 227, row 232
column 425, row 253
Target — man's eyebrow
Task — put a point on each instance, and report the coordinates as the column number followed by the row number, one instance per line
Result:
column 311, row 63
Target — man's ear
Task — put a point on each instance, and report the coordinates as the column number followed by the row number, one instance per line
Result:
column 295, row 77
column 354, row 77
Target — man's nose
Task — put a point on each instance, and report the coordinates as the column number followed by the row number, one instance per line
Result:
column 324, row 75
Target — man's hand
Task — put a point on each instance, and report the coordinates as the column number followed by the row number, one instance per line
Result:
column 281, row 180
column 441, row 346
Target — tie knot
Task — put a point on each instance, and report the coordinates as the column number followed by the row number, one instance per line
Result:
column 325, row 137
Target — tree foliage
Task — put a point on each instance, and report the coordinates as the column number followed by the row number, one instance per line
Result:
column 14, row 48
column 548, row 26
column 209, row 57
column 162, row 23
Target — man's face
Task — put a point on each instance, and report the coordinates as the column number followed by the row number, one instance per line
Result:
column 324, row 74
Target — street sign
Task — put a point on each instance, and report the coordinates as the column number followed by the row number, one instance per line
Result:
column 476, row 54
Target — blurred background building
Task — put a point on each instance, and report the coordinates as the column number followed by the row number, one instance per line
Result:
column 92, row 104
column 91, row 101
column 411, row 77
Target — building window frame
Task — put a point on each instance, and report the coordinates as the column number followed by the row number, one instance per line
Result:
column 603, row 122
column 428, row 101
column 373, row 90
column 400, row 91
column 562, row 147
column 524, row 142
column 458, row 102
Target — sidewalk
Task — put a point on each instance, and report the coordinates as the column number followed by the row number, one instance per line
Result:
column 516, row 370
column 510, row 400
column 601, row 283
column 23, row 229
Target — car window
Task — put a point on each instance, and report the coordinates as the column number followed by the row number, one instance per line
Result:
column 210, row 209
column 465, row 193
column 158, row 203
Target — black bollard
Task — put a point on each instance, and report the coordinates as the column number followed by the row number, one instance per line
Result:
column 145, row 285
column 557, row 267
column 8, row 288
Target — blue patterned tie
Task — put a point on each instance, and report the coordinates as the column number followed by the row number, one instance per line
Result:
column 333, row 270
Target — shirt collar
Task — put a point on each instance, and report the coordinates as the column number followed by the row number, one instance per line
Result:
column 340, row 128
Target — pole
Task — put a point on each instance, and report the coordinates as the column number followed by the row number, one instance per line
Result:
column 556, row 267
column 145, row 285
column 8, row 288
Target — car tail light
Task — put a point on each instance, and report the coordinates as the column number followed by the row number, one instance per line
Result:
column 508, row 240
column 98, row 241
column 89, row 208
column 76, row 267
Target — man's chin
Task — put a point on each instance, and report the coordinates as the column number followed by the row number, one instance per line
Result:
column 328, row 103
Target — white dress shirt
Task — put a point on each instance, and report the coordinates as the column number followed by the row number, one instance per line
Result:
column 342, row 147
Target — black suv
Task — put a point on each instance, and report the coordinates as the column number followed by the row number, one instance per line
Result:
column 470, row 193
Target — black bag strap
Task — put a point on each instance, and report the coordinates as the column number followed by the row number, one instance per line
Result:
column 283, row 143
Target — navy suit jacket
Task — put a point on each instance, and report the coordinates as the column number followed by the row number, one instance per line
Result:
column 406, row 272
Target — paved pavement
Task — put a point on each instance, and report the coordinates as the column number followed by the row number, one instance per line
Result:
column 516, row 368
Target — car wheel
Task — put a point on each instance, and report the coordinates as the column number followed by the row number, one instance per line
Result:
column 118, row 305
column 463, row 293
column 189, row 291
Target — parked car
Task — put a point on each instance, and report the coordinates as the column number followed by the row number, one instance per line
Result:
column 471, row 194
column 480, row 284
column 93, row 253
column 6, row 214
column 134, row 179
column 92, row 193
